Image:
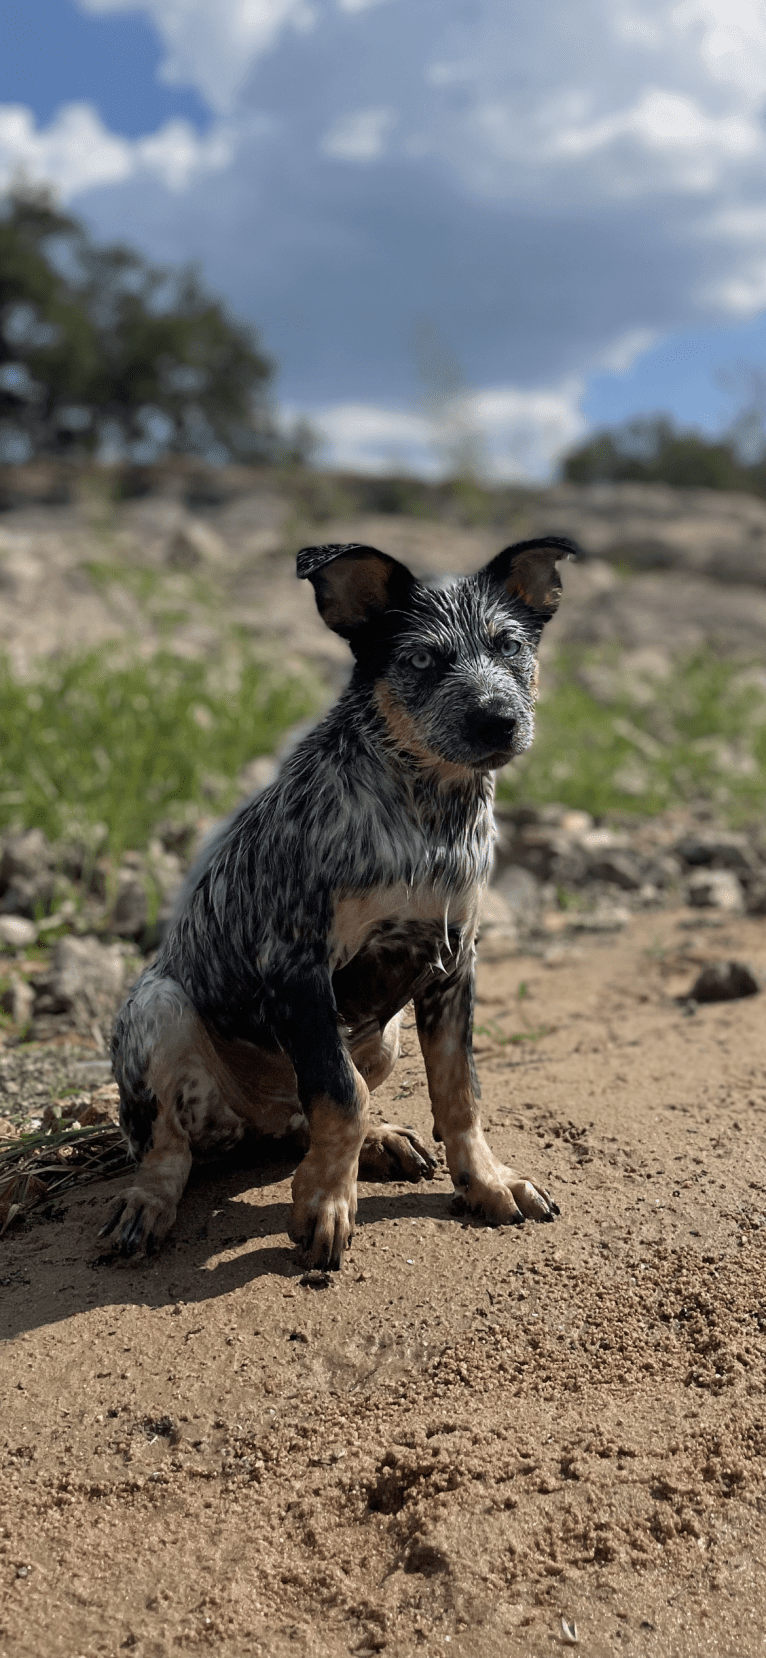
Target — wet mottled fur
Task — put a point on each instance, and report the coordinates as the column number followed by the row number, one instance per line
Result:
column 346, row 889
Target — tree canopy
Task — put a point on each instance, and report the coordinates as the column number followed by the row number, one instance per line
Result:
column 102, row 352
column 654, row 450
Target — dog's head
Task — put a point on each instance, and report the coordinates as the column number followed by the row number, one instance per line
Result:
column 452, row 668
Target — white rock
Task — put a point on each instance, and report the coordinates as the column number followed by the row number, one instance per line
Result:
column 716, row 889
column 17, row 932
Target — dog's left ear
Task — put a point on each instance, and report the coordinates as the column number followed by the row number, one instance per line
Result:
column 354, row 584
column 527, row 571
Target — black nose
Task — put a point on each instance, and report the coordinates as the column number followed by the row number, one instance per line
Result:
column 491, row 732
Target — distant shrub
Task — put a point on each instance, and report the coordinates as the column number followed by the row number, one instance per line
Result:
column 653, row 450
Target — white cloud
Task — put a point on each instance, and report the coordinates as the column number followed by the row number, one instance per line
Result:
column 729, row 37
column 524, row 432
column 361, row 136
column 214, row 47
column 516, row 433
column 622, row 353
column 450, row 74
column 76, row 152
column 669, row 124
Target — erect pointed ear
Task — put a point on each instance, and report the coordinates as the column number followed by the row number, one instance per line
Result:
column 354, row 584
column 527, row 571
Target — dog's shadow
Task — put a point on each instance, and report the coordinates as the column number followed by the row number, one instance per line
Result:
column 56, row 1267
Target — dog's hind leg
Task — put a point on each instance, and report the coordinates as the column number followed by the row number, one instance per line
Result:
column 389, row 1150
column 444, row 1012
column 170, row 1100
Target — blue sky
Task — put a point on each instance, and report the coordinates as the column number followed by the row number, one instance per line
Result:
column 482, row 221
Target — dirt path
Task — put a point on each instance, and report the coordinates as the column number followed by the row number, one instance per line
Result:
column 472, row 1434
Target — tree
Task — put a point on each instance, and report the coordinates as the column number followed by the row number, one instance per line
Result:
column 653, row 450
column 100, row 351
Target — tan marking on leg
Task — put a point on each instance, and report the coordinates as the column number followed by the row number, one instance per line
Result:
column 324, row 1185
column 500, row 1193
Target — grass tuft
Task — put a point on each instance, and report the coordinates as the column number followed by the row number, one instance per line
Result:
column 105, row 739
column 609, row 739
column 43, row 1165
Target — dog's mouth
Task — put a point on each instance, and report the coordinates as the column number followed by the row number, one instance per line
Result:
column 492, row 762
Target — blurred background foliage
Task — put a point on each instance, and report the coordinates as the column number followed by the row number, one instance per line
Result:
column 653, row 450
column 104, row 354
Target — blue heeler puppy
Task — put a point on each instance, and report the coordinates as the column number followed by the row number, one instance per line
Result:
column 346, row 889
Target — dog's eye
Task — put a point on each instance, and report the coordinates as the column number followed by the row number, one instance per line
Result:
column 509, row 647
column 422, row 659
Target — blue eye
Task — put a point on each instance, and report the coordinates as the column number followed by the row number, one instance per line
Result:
column 422, row 659
column 509, row 647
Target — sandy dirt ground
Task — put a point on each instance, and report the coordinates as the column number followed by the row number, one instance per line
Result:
column 468, row 1435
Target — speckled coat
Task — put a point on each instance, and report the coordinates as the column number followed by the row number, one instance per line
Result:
column 345, row 890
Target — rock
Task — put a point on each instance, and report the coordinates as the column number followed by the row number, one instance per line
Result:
column 521, row 892
column 83, row 985
column 548, row 852
column 716, row 889
column 497, row 926
column 24, row 856
column 494, row 910
column 131, row 907
column 663, row 870
column 27, row 878
column 756, row 897
column 102, row 1107
column 17, row 999
column 717, row 849
column 606, row 919
column 575, row 822
column 621, row 867
column 724, row 981
column 194, row 544
column 16, row 932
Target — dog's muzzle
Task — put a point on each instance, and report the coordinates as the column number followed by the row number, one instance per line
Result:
column 490, row 733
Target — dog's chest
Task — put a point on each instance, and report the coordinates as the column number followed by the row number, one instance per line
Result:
column 385, row 943
column 411, row 919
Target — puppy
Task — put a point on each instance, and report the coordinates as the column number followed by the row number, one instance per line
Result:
column 346, row 889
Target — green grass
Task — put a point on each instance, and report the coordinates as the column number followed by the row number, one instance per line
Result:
column 106, row 739
column 105, row 745
column 607, row 741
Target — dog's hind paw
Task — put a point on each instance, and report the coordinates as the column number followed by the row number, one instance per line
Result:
column 138, row 1222
column 391, row 1152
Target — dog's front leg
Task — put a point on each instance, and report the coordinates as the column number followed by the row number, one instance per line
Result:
column 444, row 1013
column 336, row 1101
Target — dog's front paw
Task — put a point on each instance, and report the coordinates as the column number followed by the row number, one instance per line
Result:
column 394, row 1153
column 530, row 1201
column 139, row 1221
column 502, row 1195
column 322, row 1220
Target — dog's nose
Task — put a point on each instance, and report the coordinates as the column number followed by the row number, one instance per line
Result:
column 491, row 729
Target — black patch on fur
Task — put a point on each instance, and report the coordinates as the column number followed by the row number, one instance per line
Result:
column 138, row 1114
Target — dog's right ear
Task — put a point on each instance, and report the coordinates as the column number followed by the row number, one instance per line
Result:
column 354, row 584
